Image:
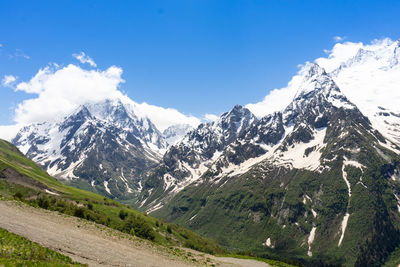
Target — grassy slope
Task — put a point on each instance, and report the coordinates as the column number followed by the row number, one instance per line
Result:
column 19, row 251
column 92, row 206
column 98, row 208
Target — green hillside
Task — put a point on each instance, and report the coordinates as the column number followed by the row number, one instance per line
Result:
column 22, row 179
column 286, row 205
column 19, row 251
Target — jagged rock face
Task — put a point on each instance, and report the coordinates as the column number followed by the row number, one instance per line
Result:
column 302, row 181
column 209, row 139
column 186, row 161
column 311, row 110
column 102, row 144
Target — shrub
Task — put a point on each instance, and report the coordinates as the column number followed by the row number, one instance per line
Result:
column 123, row 214
column 169, row 230
column 18, row 195
column 79, row 212
column 140, row 226
column 43, row 202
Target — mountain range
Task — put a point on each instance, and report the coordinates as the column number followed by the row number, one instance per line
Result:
column 317, row 181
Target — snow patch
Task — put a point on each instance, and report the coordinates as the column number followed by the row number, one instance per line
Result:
column 51, row 193
column 344, row 175
column 347, row 215
column 314, row 213
column 311, row 240
column 156, row 207
column 268, row 243
column 295, row 156
column 125, row 181
column 106, row 187
column 343, row 227
column 398, row 202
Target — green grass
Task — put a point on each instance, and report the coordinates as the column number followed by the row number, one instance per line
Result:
column 93, row 207
column 19, row 251
column 97, row 208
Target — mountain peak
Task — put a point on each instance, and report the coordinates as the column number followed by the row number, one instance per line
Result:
column 312, row 69
column 315, row 79
column 236, row 111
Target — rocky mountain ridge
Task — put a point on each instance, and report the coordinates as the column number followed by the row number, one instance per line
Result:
column 315, row 180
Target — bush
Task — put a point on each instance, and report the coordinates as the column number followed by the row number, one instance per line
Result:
column 123, row 214
column 169, row 230
column 79, row 212
column 43, row 202
column 140, row 228
column 18, row 195
column 90, row 206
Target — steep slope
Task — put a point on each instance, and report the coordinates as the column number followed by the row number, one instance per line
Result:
column 26, row 190
column 186, row 161
column 103, row 146
column 315, row 182
column 19, row 251
column 369, row 77
column 21, row 179
column 175, row 133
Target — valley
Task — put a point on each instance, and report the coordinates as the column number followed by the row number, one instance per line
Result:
column 314, row 183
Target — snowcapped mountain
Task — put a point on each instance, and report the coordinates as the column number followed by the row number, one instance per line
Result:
column 318, row 178
column 104, row 144
column 303, row 121
column 369, row 77
column 186, row 161
column 232, row 145
column 175, row 133
column 299, row 180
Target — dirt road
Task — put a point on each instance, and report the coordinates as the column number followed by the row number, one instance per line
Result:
column 89, row 243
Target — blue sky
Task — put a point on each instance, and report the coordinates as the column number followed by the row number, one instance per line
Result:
column 196, row 56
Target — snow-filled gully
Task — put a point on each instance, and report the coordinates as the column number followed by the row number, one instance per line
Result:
column 347, row 215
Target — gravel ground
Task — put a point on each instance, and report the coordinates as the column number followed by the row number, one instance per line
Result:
column 93, row 244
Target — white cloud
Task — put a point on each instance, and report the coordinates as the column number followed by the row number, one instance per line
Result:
column 83, row 58
column 8, row 80
column 338, row 38
column 340, row 53
column 1, row 45
column 8, row 132
column 19, row 53
column 59, row 91
column 277, row 99
column 210, row 117
column 369, row 76
column 165, row 117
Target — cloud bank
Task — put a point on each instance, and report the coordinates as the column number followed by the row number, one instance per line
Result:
column 368, row 74
column 210, row 117
column 59, row 91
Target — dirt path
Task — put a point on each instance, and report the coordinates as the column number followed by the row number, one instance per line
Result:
column 90, row 243
column 242, row 262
